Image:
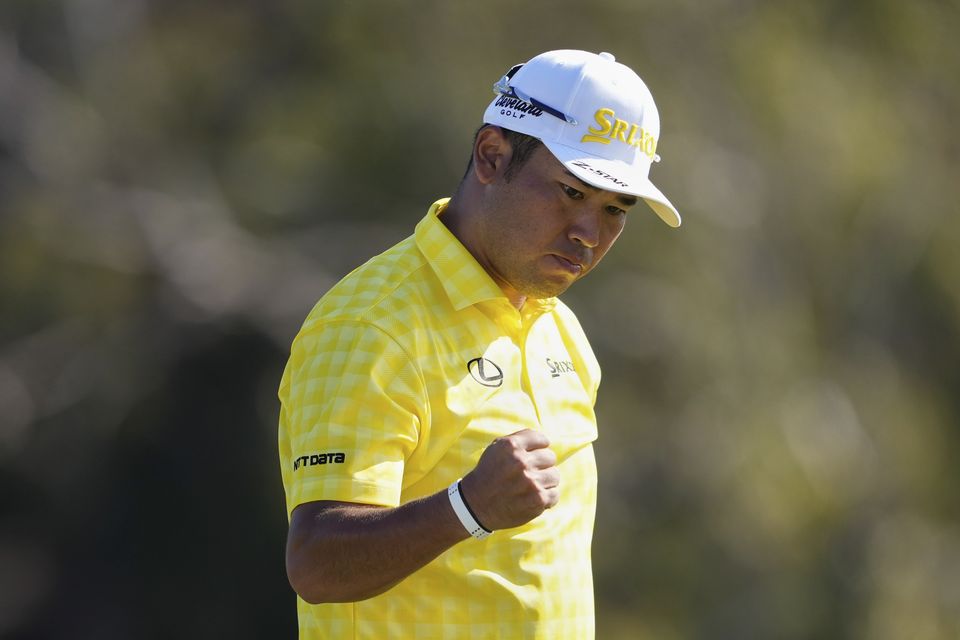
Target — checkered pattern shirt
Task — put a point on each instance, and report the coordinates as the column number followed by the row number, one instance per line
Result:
column 400, row 377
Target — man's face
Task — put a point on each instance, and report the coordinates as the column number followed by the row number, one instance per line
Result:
column 545, row 228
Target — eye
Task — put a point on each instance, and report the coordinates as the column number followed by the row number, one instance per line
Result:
column 571, row 193
column 615, row 211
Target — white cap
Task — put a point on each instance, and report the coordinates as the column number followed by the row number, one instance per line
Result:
column 593, row 113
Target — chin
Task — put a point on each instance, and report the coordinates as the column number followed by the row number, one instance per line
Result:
column 551, row 290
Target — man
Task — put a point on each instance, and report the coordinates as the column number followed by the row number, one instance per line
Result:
column 448, row 357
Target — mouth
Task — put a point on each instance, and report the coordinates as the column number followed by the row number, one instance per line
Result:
column 572, row 266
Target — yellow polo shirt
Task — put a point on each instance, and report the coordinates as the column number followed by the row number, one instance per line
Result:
column 400, row 377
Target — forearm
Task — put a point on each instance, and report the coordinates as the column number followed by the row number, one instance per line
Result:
column 347, row 552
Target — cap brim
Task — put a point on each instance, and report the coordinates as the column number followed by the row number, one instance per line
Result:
column 616, row 176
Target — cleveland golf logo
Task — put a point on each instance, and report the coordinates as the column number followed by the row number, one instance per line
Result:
column 517, row 108
column 486, row 372
column 612, row 128
column 319, row 458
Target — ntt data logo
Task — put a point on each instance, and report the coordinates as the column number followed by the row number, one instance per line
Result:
column 319, row 458
column 486, row 372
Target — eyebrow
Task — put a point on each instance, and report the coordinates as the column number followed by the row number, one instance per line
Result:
column 625, row 200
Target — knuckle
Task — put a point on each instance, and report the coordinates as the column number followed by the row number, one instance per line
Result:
column 533, row 479
column 554, row 479
column 552, row 498
column 519, row 456
column 512, row 443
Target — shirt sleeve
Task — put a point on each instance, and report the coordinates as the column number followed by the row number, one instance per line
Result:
column 351, row 407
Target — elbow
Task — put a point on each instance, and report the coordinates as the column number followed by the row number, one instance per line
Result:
column 308, row 586
column 317, row 561
column 314, row 587
column 306, row 575
column 305, row 592
column 316, row 590
column 312, row 598
column 316, row 594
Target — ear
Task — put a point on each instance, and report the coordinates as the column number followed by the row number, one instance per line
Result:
column 491, row 154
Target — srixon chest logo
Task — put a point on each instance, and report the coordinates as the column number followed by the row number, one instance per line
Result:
column 557, row 367
column 314, row 459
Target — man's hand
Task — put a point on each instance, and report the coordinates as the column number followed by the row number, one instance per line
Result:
column 515, row 480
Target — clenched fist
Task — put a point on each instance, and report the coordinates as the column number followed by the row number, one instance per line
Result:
column 514, row 481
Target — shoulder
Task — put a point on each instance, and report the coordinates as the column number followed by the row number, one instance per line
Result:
column 376, row 290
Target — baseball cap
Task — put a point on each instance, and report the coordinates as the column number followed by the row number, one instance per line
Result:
column 594, row 114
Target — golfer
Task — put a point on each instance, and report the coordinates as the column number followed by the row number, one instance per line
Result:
column 437, row 417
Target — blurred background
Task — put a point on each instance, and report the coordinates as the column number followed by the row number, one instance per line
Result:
column 780, row 413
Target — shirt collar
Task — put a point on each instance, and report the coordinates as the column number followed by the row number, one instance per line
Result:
column 462, row 277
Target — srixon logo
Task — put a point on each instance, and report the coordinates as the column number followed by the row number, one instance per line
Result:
column 319, row 458
column 557, row 367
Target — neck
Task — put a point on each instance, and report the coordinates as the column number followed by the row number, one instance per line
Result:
column 458, row 217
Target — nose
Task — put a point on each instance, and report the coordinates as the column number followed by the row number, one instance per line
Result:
column 585, row 228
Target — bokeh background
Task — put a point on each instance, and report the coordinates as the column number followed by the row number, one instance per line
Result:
column 780, row 412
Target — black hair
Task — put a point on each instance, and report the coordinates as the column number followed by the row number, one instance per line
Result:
column 523, row 147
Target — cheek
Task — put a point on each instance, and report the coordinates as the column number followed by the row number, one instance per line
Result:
column 610, row 234
column 613, row 230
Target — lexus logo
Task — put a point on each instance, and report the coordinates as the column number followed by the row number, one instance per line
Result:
column 486, row 372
